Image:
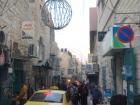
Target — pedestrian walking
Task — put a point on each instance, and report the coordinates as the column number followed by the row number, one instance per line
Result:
column 63, row 85
column 79, row 92
column 30, row 91
column 96, row 95
column 73, row 93
column 23, row 94
column 84, row 94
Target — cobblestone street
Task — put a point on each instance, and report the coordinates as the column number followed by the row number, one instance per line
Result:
column 89, row 100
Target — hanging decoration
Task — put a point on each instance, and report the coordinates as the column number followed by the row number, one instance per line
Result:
column 56, row 14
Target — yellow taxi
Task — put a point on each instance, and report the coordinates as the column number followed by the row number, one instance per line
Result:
column 54, row 88
column 49, row 97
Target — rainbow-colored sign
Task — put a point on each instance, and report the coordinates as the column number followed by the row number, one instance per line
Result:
column 125, row 34
column 122, row 37
column 117, row 38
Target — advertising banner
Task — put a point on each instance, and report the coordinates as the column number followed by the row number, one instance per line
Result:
column 117, row 38
column 90, row 69
column 27, row 29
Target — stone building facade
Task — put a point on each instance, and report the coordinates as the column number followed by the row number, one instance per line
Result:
column 29, row 43
column 70, row 66
column 119, row 13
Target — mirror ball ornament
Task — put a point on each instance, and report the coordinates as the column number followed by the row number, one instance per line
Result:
column 56, row 14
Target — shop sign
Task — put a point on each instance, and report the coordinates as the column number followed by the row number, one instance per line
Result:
column 108, row 93
column 127, row 72
column 117, row 38
column 125, row 34
column 122, row 36
column 27, row 29
column 90, row 68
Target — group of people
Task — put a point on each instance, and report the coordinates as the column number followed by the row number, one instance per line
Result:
column 78, row 92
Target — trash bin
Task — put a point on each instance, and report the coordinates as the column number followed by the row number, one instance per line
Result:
column 137, row 100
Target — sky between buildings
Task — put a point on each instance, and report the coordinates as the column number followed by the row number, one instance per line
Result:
column 75, row 36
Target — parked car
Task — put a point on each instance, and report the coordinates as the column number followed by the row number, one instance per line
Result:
column 49, row 97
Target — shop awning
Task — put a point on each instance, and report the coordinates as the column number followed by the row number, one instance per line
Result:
column 114, row 51
column 43, row 65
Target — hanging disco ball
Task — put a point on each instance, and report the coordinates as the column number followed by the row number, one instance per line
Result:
column 56, row 14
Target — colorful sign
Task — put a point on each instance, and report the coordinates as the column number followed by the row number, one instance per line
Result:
column 122, row 37
column 27, row 29
column 125, row 34
column 127, row 72
column 107, row 92
column 117, row 38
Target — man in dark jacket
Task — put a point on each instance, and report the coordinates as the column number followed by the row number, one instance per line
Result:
column 96, row 95
column 84, row 94
column 72, row 90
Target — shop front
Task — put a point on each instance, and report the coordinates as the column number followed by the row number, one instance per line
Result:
column 122, row 62
column 42, row 75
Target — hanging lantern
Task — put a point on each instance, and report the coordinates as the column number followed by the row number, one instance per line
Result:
column 56, row 14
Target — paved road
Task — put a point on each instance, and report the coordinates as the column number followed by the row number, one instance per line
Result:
column 89, row 100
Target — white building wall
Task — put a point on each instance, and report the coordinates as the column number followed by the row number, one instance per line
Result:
column 25, row 11
column 65, row 62
column 107, row 17
column 22, row 11
column 69, row 64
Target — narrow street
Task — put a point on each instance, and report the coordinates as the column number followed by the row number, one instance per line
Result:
column 93, row 44
column 89, row 100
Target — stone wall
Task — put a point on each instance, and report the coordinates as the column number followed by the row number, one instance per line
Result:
column 13, row 19
column 107, row 17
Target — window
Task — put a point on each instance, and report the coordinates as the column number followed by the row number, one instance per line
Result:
column 101, row 4
column 31, row 49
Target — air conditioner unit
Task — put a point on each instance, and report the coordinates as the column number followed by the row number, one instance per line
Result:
column 32, row 51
